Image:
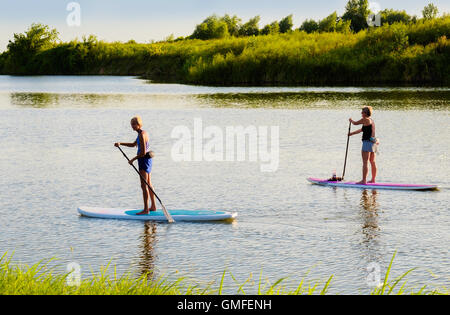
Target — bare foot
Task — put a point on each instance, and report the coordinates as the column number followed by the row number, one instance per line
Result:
column 362, row 183
column 152, row 210
column 143, row 212
column 372, row 182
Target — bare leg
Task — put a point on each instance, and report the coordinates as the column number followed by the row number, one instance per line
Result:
column 152, row 195
column 365, row 169
column 145, row 192
column 373, row 165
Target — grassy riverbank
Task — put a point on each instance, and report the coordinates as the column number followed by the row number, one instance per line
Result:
column 414, row 53
column 40, row 280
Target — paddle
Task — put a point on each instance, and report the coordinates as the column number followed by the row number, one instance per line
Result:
column 346, row 150
column 166, row 213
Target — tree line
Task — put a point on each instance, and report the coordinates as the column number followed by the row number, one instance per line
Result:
column 353, row 20
column 402, row 50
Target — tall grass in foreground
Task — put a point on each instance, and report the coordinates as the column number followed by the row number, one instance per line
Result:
column 39, row 279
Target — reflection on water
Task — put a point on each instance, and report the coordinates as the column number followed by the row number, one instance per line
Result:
column 91, row 100
column 147, row 247
column 38, row 100
column 393, row 99
column 369, row 215
column 369, row 225
column 424, row 100
column 44, row 100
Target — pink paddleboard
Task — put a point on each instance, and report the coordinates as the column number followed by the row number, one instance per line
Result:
column 391, row 186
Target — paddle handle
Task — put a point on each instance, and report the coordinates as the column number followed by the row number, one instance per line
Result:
column 346, row 150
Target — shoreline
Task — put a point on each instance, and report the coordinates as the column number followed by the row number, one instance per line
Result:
column 371, row 86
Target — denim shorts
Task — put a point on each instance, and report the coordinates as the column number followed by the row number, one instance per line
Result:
column 367, row 146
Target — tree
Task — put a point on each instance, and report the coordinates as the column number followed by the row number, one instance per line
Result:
column 251, row 27
column 286, row 24
column 430, row 12
column 343, row 26
column 3, row 57
column 391, row 16
column 233, row 23
column 357, row 12
column 90, row 41
column 309, row 26
column 38, row 37
column 24, row 47
column 212, row 27
column 328, row 24
column 273, row 28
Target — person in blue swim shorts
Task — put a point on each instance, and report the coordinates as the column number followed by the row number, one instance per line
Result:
column 144, row 158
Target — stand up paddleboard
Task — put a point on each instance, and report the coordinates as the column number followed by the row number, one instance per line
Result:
column 177, row 215
column 325, row 182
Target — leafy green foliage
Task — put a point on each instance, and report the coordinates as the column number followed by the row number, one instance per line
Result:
column 357, row 12
column 23, row 49
column 343, row 26
column 214, row 27
column 273, row 28
column 331, row 23
column 391, row 16
column 286, row 24
column 309, row 26
column 211, row 28
column 430, row 12
column 251, row 28
column 328, row 24
column 233, row 24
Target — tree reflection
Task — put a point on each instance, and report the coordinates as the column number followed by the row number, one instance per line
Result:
column 38, row 100
column 45, row 100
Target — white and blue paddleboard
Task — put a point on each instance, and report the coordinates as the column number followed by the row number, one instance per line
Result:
column 391, row 186
column 177, row 215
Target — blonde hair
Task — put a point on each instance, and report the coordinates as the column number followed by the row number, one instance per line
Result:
column 368, row 110
column 137, row 120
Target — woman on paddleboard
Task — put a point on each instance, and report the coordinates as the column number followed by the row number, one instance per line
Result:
column 145, row 162
column 369, row 143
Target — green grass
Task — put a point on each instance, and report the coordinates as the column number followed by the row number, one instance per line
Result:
column 40, row 279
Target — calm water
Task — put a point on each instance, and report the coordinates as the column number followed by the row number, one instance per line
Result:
column 57, row 135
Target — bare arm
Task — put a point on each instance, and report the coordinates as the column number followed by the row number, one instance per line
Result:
column 355, row 132
column 359, row 122
column 130, row 145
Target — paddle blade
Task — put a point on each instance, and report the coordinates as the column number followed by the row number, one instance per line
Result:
column 167, row 214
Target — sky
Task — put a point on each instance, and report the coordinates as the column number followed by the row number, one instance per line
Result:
column 146, row 20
